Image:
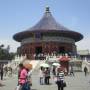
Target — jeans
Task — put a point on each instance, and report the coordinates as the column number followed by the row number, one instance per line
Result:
column 26, row 86
column 41, row 80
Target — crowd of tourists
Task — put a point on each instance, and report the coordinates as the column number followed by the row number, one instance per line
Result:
column 44, row 75
column 5, row 71
column 56, row 73
column 25, row 77
column 58, row 77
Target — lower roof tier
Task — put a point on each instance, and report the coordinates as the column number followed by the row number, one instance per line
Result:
column 40, row 33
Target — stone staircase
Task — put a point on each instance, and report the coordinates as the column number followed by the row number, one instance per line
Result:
column 34, row 64
column 38, row 65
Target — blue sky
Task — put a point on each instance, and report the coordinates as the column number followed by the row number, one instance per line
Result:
column 18, row 15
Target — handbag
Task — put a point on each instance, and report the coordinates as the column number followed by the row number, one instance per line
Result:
column 49, row 77
column 64, row 84
column 29, row 81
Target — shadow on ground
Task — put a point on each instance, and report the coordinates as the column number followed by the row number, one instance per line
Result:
column 33, row 89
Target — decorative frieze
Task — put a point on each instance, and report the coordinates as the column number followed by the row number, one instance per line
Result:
column 48, row 39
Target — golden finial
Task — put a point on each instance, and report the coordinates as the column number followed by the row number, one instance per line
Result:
column 47, row 9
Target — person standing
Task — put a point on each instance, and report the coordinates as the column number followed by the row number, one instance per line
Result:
column 29, row 77
column 41, row 74
column 71, row 71
column 5, row 71
column 19, row 71
column 60, row 79
column 47, row 76
column 54, row 71
column 1, row 72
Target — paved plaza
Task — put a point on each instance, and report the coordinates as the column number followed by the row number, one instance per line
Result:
column 77, row 82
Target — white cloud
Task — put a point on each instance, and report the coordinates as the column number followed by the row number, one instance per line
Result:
column 13, row 44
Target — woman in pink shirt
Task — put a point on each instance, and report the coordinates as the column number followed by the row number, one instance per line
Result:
column 22, row 74
column 22, row 78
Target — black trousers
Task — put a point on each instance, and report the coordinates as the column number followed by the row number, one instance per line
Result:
column 60, row 85
column 85, row 73
column 1, row 76
column 60, row 88
column 46, row 80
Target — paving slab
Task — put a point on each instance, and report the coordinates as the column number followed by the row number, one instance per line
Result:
column 77, row 82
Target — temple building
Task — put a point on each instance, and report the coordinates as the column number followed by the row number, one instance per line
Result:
column 46, row 37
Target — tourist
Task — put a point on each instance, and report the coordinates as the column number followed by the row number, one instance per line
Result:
column 41, row 74
column 22, row 78
column 47, row 75
column 29, row 77
column 1, row 71
column 54, row 71
column 9, row 71
column 60, row 79
column 72, row 71
column 65, row 71
column 5, row 71
column 85, row 70
column 19, row 70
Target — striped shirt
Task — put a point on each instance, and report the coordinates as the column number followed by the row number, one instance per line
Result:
column 60, row 76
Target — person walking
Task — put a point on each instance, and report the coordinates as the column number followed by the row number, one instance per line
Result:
column 22, row 78
column 85, row 70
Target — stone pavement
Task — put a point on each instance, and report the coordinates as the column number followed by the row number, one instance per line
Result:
column 77, row 82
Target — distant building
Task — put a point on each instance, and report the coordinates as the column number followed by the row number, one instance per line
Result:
column 84, row 54
column 4, row 61
column 46, row 37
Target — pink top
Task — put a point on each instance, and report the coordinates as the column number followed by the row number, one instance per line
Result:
column 23, row 76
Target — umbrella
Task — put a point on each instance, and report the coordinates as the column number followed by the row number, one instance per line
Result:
column 64, row 58
column 27, row 64
column 44, row 65
column 52, row 59
column 56, row 64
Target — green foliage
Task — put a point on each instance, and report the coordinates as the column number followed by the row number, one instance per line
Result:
column 5, row 54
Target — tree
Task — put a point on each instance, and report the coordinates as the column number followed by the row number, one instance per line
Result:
column 5, row 54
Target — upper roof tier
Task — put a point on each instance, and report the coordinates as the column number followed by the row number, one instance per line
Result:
column 48, row 24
